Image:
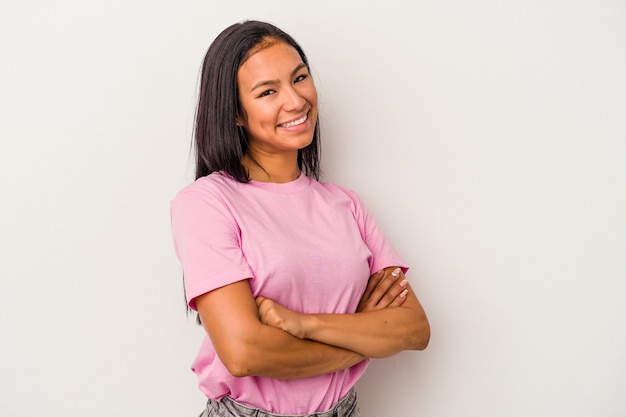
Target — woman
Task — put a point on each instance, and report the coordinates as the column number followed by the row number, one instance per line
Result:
column 279, row 266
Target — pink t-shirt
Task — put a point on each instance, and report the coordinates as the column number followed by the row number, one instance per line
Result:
column 308, row 245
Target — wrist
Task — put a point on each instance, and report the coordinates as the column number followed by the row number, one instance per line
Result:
column 309, row 325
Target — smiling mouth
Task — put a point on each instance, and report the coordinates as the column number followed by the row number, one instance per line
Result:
column 296, row 122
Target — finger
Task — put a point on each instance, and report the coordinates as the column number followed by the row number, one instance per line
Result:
column 394, row 291
column 401, row 297
column 382, row 289
column 372, row 283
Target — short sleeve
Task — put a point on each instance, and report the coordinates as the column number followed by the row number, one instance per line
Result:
column 383, row 252
column 207, row 241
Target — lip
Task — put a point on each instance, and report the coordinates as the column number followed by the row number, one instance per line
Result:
column 304, row 116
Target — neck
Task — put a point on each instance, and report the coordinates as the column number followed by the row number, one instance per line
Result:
column 276, row 169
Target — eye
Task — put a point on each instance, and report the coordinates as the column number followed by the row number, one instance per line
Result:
column 267, row 93
column 301, row 78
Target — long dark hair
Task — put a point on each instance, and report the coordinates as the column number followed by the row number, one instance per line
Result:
column 219, row 142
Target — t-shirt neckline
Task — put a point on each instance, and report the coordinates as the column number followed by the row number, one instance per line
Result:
column 298, row 184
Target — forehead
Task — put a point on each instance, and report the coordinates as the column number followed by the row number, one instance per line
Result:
column 270, row 60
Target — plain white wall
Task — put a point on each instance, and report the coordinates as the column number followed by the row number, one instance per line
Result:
column 488, row 137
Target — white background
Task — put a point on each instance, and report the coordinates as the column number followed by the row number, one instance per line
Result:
column 488, row 138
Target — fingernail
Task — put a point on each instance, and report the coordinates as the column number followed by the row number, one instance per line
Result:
column 403, row 293
column 396, row 272
column 380, row 272
column 403, row 282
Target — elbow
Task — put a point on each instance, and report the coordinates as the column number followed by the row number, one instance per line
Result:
column 423, row 339
column 414, row 337
column 421, row 336
column 238, row 370
column 240, row 362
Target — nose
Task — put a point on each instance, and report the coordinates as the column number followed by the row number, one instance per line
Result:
column 294, row 101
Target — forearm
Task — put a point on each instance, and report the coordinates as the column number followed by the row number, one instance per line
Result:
column 248, row 347
column 271, row 352
column 374, row 334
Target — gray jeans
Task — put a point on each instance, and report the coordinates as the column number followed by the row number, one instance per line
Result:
column 227, row 407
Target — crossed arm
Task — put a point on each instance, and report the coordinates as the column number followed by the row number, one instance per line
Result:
column 261, row 337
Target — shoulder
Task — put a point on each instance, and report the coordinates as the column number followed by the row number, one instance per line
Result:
column 210, row 186
column 207, row 194
column 340, row 190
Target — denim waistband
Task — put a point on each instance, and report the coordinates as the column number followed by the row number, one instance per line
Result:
column 227, row 407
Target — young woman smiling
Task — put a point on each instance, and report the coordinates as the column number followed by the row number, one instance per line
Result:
column 292, row 278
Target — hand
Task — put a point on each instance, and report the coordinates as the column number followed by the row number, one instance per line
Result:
column 273, row 314
column 386, row 288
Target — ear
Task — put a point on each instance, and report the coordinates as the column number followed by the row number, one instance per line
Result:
column 239, row 121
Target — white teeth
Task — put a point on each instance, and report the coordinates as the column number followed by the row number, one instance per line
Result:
column 295, row 122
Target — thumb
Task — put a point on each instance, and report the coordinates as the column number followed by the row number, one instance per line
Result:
column 259, row 300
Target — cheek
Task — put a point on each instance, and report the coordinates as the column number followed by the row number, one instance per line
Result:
column 261, row 117
column 264, row 116
column 313, row 96
column 252, row 111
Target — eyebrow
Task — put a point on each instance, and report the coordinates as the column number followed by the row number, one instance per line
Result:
column 272, row 82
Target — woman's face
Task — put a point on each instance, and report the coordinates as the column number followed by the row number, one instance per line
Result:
column 278, row 101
